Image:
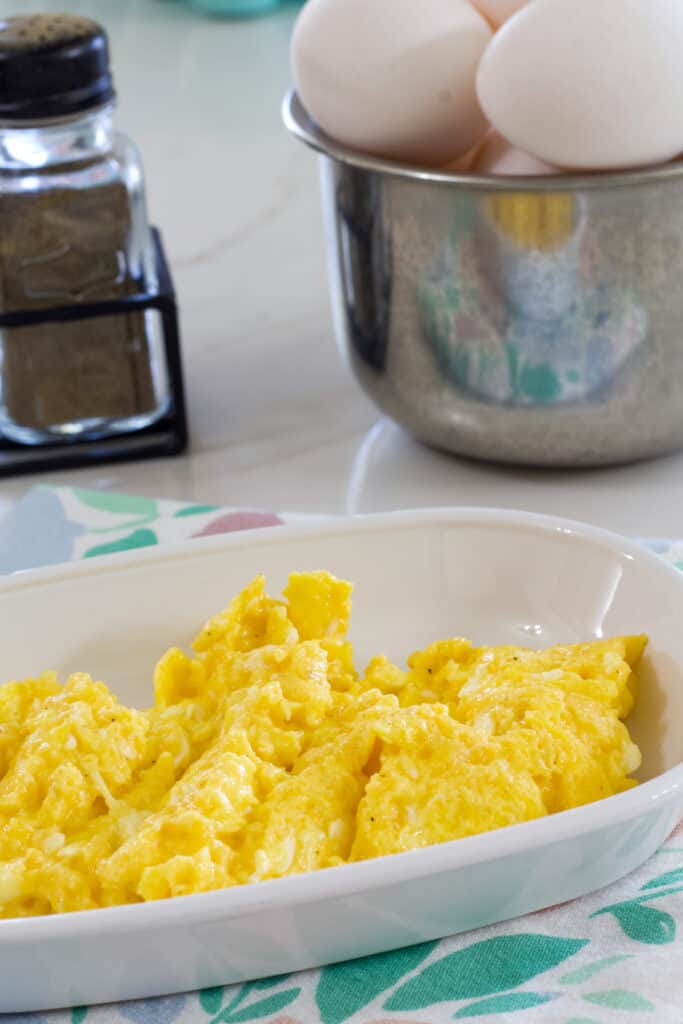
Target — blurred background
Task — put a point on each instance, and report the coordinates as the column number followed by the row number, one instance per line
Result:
column 276, row 421
column 238, row 203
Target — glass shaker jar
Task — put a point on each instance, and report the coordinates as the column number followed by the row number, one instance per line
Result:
column 73, row 229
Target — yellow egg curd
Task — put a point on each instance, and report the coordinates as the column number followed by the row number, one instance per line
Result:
column 267, row 754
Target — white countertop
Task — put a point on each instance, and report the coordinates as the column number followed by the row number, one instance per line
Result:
column 276, row 420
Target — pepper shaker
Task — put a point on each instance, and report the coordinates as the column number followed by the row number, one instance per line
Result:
column 74, row 236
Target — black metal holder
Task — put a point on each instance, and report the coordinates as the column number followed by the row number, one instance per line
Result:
column 166, row 436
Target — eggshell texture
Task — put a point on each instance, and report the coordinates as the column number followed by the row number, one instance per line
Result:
column 498, row 11
column 588, row 84
column 393, row 77
column 496, row 156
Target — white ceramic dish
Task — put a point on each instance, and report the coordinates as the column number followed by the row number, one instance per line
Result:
column 496, row 577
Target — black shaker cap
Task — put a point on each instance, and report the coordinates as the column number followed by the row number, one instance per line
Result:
column 52, row 66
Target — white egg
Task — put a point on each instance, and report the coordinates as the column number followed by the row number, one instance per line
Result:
column 498, row 11
column 588, row 84
column 496, row 156
column 393, row 77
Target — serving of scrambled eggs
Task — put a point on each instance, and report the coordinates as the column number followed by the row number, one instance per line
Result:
column 267, row 754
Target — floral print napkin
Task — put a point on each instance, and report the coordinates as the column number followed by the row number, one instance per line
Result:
column 62, row 524
column 609, row 958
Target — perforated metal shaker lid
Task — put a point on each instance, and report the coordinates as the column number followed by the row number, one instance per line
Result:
column 51, row 66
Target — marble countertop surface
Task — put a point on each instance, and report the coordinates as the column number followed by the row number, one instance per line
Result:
column 276, row 419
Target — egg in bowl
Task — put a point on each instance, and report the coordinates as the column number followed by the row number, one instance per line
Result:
column 266, row 753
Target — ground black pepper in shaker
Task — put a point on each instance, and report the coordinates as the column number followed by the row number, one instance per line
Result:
column 73, row 229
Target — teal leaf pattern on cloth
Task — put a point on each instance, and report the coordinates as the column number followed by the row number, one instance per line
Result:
column 345, row 988
column 195, row 510
column 137, row 539
column 590, row 970
column 264, row 983
column 621, row 999
column 483, row 969
column 646, row 924
column 78, row 1014
column 643, row 924
column 512, row 1002
column 670, row 878
column 211, row 999
column 117, row 504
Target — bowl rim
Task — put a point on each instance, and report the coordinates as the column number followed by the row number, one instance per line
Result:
column 363, row 876
column 300, row 124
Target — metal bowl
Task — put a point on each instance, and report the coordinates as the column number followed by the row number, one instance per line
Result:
column 522, row 320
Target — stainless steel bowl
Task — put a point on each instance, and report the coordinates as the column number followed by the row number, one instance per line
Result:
column 528, row 320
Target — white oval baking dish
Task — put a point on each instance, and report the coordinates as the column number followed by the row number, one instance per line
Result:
column 496, row 577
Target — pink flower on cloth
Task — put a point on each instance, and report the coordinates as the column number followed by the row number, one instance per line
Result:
column 232, row 522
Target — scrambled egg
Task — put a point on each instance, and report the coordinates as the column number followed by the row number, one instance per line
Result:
column 266, row 754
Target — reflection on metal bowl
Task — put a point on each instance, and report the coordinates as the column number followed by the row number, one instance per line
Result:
column 535, row 321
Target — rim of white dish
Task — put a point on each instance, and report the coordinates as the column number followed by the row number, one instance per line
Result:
column 331, row 883
column 300, row 124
